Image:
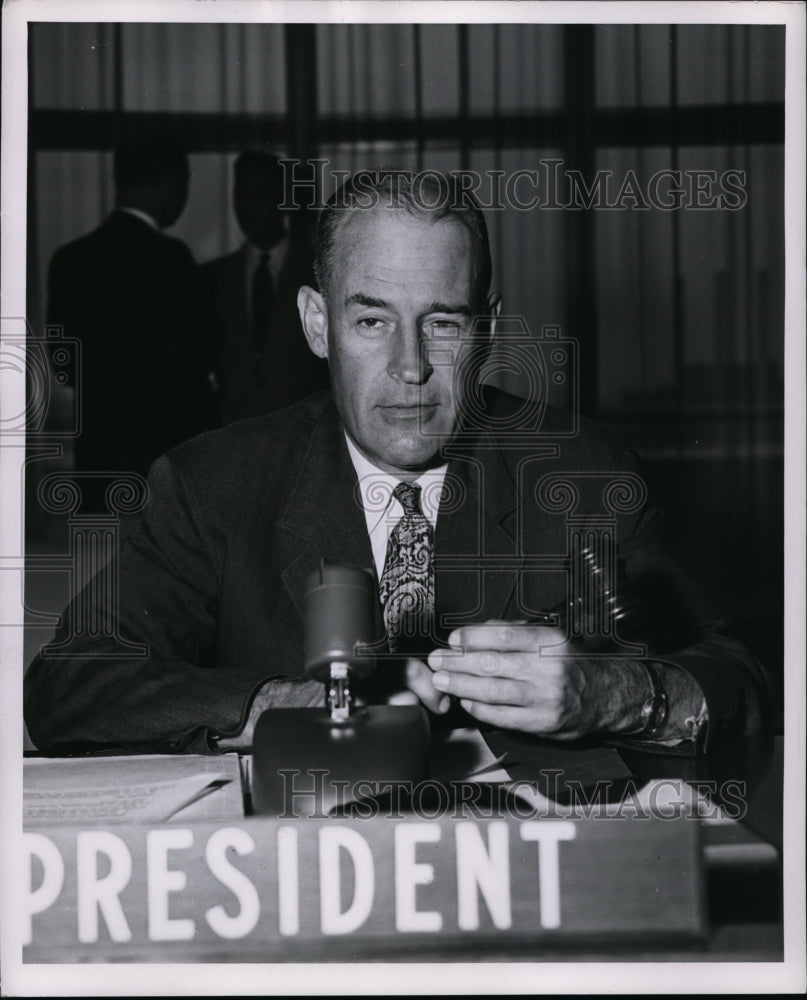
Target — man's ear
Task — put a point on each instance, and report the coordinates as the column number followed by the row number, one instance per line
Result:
column 494, row 308
column 314, row 317
column 487, row 326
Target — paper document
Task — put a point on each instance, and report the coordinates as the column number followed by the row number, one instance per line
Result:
column 146, row 789
column 463, row 755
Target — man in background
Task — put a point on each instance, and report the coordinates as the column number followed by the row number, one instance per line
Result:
column 134, row 298
column 265, row 362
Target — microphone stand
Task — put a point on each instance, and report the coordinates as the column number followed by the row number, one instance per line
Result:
column 308, row 761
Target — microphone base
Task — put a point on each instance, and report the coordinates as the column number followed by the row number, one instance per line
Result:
column 305, row 764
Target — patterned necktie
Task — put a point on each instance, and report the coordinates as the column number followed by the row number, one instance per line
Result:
column 407, row 583
column 262, row 293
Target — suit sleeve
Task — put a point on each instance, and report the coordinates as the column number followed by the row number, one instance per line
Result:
column 696, row 638
column 87, row 690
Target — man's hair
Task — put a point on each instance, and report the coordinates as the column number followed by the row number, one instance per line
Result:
column 429, row 195
column 148, row 161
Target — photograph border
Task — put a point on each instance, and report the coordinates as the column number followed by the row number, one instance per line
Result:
column 512, row 977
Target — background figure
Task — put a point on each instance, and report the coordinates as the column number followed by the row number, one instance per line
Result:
column 265, row 362
column 135, row 300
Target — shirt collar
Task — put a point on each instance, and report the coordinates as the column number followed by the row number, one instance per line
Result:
column 276, row 254
column 138, row 213
column 376, row 486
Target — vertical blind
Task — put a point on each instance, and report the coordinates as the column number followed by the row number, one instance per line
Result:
column 676, row 292
column 679, row 312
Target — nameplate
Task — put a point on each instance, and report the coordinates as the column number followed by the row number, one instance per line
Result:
column 260, row 889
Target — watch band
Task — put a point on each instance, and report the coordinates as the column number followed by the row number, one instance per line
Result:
column 656, row 706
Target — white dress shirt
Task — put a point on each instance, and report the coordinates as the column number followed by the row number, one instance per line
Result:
column 382, row 511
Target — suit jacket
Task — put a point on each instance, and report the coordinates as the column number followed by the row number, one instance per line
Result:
column 288, row 369
column 212, row 583
column 133, row 298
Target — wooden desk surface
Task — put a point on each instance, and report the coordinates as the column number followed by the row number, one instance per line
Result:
column 743, row 878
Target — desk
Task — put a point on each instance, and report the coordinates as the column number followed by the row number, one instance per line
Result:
column 743, row 879
column 741, row 886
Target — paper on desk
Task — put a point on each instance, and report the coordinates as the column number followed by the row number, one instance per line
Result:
column 462, row 755
column 150, row 789
column 668, row 798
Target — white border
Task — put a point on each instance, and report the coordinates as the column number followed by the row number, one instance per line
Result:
column 409, row 11
column 794, row 540
column 514, row 977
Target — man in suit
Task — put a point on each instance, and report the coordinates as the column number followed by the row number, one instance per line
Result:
column 265, row 362
column 133, row 298
column 453, row 493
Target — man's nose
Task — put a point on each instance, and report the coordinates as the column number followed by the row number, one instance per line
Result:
column 409, row 360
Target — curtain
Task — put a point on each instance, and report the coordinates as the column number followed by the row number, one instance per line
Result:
column 678, row 311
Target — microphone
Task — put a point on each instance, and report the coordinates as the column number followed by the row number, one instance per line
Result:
column 338, row 625
column 309, row 761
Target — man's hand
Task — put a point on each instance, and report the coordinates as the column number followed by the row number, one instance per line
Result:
column 420, row 688
column 521, row 676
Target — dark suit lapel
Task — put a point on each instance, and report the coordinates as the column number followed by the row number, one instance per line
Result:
column 477, row 558
column 237, row 289
column 297, row 268
column 324, row 518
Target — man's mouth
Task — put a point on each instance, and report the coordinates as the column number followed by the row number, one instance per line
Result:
column 408, row 411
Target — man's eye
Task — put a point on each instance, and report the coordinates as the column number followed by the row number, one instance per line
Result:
column 444, row 327
column 370, row 323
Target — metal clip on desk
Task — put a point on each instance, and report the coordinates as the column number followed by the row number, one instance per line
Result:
column 306, row 761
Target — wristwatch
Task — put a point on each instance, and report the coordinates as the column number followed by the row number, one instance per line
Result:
column 654, row 710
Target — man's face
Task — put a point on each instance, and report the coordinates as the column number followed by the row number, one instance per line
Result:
column 256, row 198
column 398, row 321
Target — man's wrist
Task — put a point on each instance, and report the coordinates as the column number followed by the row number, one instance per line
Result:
column 685, row 722
column 276, row 692
column 654, row 710
column 631, row 701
